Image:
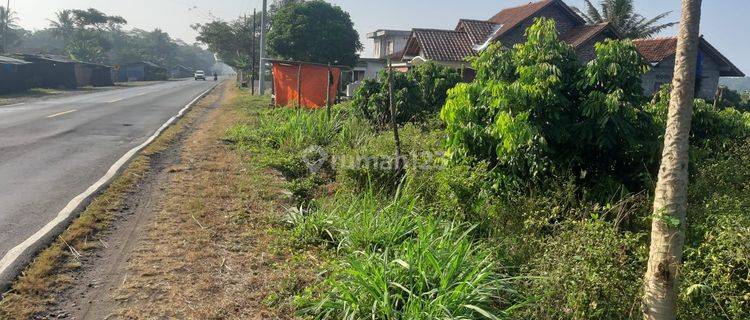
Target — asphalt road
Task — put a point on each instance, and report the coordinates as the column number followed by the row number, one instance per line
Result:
column 52, row 150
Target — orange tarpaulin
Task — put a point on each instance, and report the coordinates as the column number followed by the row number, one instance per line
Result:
column 310, row 91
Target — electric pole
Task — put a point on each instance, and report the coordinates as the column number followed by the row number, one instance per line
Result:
column 262, row 66
column 5, row 27
column 252, row 56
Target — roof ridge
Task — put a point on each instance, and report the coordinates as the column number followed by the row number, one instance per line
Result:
column 527, row 4
column 442, row 30
column 656, row 38
column 476, row 20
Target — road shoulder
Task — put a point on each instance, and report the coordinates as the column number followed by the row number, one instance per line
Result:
column 192, row 237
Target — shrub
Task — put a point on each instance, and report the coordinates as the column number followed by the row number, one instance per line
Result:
column 589, row 270
column 543, row 114
column 417, row 94
column 372, row 98
column 716, row 274
column 710, row 125
column 434, row 81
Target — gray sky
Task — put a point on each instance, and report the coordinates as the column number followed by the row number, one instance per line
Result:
column 724, row 22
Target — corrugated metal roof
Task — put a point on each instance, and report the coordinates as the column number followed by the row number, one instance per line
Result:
column 14, row 61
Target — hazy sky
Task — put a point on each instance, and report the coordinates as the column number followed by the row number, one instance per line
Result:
column 725, row 23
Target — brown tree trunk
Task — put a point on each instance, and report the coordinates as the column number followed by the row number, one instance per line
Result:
column 394, row 125
column 670, row 198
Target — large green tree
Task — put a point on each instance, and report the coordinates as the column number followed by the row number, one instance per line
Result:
column 83, row 32
column 314, row 31
column 232, row 41
column 621, row 14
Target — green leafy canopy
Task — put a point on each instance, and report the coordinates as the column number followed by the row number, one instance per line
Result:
column 314, row 31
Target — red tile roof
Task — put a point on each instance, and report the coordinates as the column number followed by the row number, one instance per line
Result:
column 478, row 30
column 440, row 45
column 580, row 35
column 511, row 17
column 658, row 49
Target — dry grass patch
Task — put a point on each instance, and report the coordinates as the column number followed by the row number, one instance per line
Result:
column 213, row 252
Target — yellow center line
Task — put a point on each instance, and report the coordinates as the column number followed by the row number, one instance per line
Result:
column 61, row 113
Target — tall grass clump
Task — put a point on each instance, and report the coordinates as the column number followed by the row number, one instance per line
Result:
column 439, row 274
column 354, row 222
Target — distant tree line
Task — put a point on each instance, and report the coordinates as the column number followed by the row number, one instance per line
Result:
column 94, row 36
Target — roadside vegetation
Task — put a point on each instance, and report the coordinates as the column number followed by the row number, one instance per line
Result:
column 526, row 194
column 93, row 36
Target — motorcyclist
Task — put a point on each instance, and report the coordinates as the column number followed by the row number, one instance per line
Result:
column 216, row 76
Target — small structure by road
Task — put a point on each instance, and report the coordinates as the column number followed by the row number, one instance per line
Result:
column 142, row 71
column 13, row 75
column 304, row 84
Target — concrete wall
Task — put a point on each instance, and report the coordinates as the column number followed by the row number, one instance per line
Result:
column 662, row 74
column 381, row 45
column 373, row 68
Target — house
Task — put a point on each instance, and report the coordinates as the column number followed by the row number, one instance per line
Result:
column 53, row 71
column 94, row 74
column 386, row 44
column 660, row 54
column 453, row 47
column 50, row 71
column 13, row 75
column 181, row 71
column 142, row 71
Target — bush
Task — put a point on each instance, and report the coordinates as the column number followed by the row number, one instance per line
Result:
column 372, row 98
column 417, row 94
column 434, row 81
column 710, row 125
column 716, row 274
column 541, row 113
column 589, row 270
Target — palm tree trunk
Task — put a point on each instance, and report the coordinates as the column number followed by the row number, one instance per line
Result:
column 670, row 197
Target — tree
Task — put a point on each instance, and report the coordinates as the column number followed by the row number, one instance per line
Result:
column 13, row 32
column 231, row 41
column 670, row 198
column 314, row 31
column 83, row 33
column 621, row 14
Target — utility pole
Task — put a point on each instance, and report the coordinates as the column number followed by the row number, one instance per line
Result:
column 262, row 66
column 5, row 27
column 252, row 56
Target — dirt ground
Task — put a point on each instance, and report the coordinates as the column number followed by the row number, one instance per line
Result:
column 197, row 239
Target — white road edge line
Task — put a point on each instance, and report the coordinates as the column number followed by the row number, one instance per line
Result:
column 17, row 258
column 61, row 113
column 116, row 100
column 12, row 105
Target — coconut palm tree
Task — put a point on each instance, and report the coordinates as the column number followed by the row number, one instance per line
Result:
column 668, row 222
column 621, row 14
column 7, row 26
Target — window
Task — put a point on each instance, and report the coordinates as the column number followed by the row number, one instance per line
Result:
column 390, row 47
